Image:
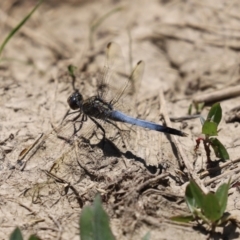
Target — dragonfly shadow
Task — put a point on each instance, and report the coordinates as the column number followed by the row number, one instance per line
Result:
column 174, row 148
column 110, row 149
column 152, row 169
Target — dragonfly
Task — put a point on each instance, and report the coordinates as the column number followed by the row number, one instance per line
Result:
column 99, row 107
column 115, row 96
column 111, row 104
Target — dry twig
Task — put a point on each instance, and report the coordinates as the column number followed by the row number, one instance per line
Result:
column 215, row 169
column 178, row 145
column 218, row 95
column 232, row 172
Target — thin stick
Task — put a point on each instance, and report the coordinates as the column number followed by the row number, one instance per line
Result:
column 211, row 170
column 218, row 95
column 232, row 172
column 168, row 123
column 182, row 155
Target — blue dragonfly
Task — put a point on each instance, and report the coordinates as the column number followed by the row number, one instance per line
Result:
column 115, row 91
column 102, row 105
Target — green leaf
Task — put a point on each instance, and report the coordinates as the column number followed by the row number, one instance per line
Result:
column 102, row 224
column 86, row 225
column 34, row 237
column 222, row 196
column 194, row 196
column 211, row 207
column 16, row 234
column 10, row 35
column 71, row 70
column 200, row 107
column 209, row 128
column 94, row 222
column 146, row 236
column 215, row 114
column 182, row 218
column 219, row 150
column 190, row 109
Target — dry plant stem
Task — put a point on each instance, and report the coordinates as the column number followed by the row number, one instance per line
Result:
column 152, row 180
column 150, row 220
column 60, row 180
column 168, row 123
column 219, row 42
column 58, row 47
column 184, row 118
column 58, row 225
column 211, row 170
column 232, row 172
column 25, row 152
column 218, row 95
column 136, row 191
column 183, row 156
column 29, row 209
column 181, row 225
column 158, row 222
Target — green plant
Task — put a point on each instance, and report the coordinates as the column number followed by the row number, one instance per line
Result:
column 197, row 106
column 208, row 208
column 17, row 235
column 10, row 35
column 94, row 222
column 210, row 129
column 94, row 225
column 95, row 25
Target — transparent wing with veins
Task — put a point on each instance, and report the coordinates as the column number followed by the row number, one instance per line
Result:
column 114, row 85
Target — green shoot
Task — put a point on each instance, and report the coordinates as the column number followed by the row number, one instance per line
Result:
column 71, row 70
column 197, row 106
column 10, row 35
column 210, row 207
column 17, row 235
column 34, row 237
column 94, row 222
column 210, row 129
column 94, row 26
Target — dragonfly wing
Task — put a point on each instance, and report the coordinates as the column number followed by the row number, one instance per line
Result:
column 111, row 79
column 136, row 77
column 115, row 86
column 131, row 92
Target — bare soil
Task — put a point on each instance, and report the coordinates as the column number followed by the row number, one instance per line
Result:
column 190, row 49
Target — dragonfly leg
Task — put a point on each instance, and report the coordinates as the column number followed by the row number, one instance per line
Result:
column 83, row 119
column 120, row 131
column 99, row 125
column 76, row 128
column 70, row 113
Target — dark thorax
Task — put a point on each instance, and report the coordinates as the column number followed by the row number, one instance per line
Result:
column 96, row 107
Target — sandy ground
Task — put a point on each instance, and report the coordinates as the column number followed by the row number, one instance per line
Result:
column 190, row 48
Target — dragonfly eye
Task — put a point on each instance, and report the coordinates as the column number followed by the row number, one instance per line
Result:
column 75, row 100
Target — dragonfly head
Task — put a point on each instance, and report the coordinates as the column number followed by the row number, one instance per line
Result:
column 75, row 100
